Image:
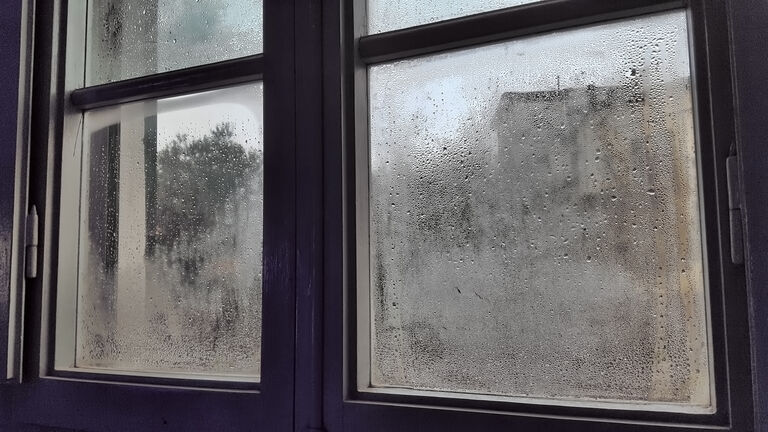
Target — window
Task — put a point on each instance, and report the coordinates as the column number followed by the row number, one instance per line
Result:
column 161, row 230
column 168, row 274
column 534, row 224
column 128, row 40
column 160, row 288
column 533, row 213
column 369, row 215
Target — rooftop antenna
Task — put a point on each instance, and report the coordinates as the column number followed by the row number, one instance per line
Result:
column 558, row 83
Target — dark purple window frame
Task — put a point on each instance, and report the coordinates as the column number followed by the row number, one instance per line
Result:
column 314, row 56
column 92, row 402
column 348, row 409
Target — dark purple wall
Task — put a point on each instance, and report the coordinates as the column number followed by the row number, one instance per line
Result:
column 10, row 34
column 10, row 42
column 749, row 21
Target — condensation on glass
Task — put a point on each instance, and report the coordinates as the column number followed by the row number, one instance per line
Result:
column 130, row 38
column 169, row 276
column 534, row 219
column 387, row 15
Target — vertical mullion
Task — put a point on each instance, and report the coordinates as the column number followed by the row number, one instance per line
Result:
column 336, row 221
column 727, row 290
column 309, row 223
column 279, row 258
column 707, row 166
column 13, row 205
column 48, row 84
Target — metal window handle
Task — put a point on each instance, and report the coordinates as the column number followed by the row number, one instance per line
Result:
column 30, row 256
column 734, row 209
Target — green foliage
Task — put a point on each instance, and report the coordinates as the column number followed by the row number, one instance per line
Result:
column 197, row 179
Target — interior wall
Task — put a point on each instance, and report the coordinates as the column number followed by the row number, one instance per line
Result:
column 749, row 29
column 10, row 45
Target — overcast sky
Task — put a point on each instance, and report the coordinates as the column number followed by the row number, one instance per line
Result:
column 197, row 114
column 207, row 31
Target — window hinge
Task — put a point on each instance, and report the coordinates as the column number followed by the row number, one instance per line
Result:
column 30, row 243
column 734, row 209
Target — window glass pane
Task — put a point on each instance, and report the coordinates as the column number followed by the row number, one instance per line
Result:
column 128, row 38
column 534, row 219
column 171, row 235
column 386, row 15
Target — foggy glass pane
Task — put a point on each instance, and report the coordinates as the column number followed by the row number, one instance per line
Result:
column 170, row 248
column 386, row 15
column 534, row 219
column 131, row 38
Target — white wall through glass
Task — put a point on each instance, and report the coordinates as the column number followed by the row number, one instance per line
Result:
column 534, row 222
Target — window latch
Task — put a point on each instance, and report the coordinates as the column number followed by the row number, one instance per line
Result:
column 30, row 243
column 734, row 209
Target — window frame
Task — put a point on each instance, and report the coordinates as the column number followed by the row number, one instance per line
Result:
column 19, row 19
column 349, row 409
column 95, row 401
column 82, row 99
column 317, row 76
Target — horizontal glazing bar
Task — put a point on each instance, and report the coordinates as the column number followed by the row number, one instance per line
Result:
column 190, row 380
column 502, row 24
column 172, row 83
